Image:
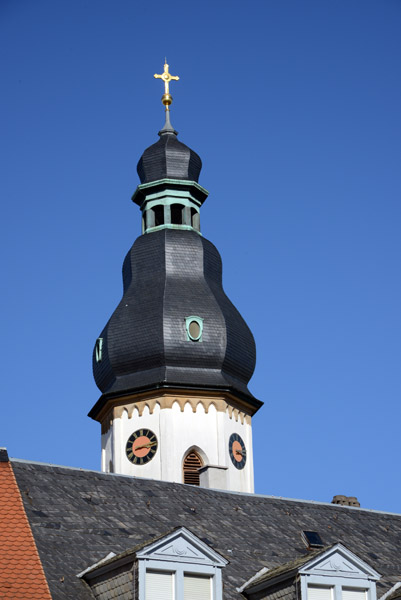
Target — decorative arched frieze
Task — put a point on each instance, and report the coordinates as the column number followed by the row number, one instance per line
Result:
column 136, row 408
column 175, row 405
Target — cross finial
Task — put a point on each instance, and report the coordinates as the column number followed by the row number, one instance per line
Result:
column 166, row 77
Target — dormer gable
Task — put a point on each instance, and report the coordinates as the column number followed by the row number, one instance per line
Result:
column 184, row 547
column 338, row 561
column 337, row 574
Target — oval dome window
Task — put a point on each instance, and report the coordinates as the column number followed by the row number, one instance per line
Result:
column 194, row 326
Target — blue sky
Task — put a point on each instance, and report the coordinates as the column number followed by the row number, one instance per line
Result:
column 294, row 107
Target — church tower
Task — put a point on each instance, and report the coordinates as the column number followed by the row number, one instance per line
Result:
column 174, row 360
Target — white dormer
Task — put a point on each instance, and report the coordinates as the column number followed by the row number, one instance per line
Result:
column 179, row 567
column 338, row 574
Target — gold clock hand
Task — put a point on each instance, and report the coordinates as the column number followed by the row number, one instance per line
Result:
column 145, row 446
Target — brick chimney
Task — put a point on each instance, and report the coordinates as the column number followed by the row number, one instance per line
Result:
column 345, row 500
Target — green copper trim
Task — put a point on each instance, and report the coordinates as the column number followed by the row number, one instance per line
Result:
column 171, row 186
column 179, row 182
column 162, row 195
column 171, row 226
column 98, row 349
column 198, row 322
column 160, row 200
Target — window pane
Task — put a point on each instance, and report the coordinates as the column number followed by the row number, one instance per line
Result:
column 159, row 586
column 197, row 587
column 317, row 592
column 353, row 594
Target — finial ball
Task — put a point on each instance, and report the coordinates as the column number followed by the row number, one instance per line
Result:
column 167, row 99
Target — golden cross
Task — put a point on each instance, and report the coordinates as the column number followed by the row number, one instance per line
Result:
column 166, row 78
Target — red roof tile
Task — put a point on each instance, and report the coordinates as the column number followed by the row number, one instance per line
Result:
column 21, row 572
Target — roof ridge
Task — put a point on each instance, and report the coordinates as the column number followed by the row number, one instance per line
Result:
column 208, row 490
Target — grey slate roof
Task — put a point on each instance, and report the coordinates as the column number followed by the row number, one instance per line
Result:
column 169, row 275
column 293, row 565
column 169, row 158
column 77, row 517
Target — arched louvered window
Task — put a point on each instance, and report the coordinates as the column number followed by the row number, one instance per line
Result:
column 192, row 463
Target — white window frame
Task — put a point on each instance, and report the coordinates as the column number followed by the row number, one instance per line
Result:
column 337, row 584
column 178, row 571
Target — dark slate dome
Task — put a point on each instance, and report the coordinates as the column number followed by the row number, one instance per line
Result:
column 168, row 276
column 169, row 159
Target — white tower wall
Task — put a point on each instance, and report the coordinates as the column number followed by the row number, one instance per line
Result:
column 181, row 426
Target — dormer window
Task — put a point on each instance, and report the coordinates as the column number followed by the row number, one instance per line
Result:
column 333, row 573
column 161, row 586
column 178, row 566
column 316, row 592
column 336, row 592
column 337, row 574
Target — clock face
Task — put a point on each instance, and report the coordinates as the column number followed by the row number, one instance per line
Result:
column 237, row 450
column 141, row 446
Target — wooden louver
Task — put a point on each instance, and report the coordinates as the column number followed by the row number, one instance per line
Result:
column 192, row 463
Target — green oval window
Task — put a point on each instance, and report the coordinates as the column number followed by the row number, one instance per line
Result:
column 194, row 327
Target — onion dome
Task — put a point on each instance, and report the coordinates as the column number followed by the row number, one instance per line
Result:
column 169, row 158
column 174, row 327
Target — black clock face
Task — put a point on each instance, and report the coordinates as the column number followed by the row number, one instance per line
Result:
column 141, row 446
column 237, row 450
